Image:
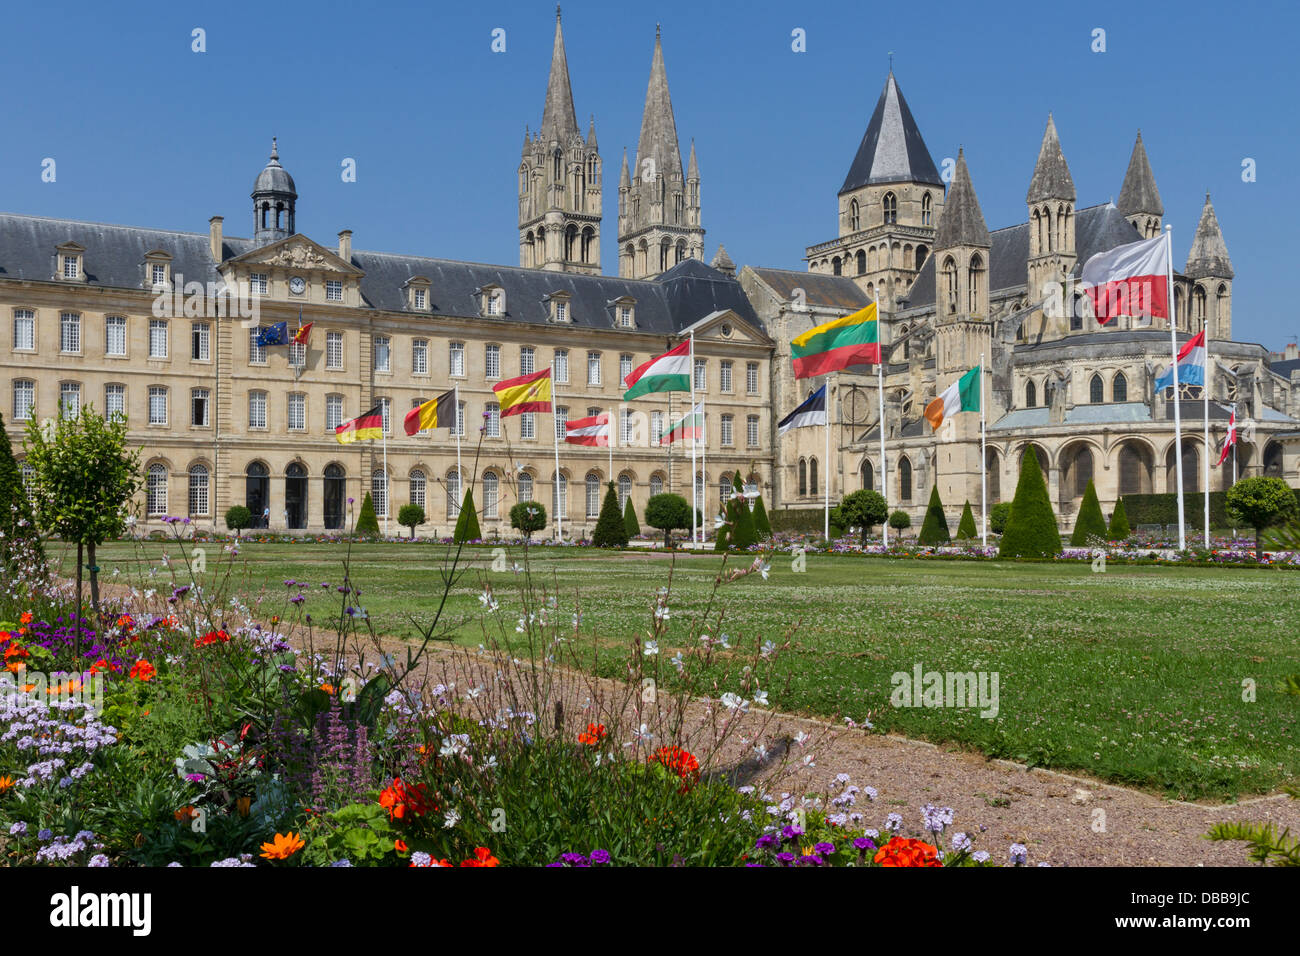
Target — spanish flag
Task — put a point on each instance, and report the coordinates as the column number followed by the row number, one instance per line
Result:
column 838, row 344
column 527, row 393
column 436, row 413
column 367, row 427
column 303, row 335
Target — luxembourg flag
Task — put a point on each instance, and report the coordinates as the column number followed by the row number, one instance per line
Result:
column 588, row 431
column 1230, row 439
column 1132, row 279
column 1191, row 364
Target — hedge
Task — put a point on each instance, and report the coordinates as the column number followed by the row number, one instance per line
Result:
column 797, row 520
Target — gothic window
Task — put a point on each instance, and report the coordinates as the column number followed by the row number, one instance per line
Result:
column 570, row 242
column 803, row 477
column 974, row 280
column 1049, row 393
column 868, row 476
column 681, row 250
column 1080, row 472
column 1037, row 228
column 927, row 212
column 950, row 283
column 1061, row 225
column 812, row 475
column 836, row 266
column 1198, row 309
column 1119, row 388
column 1221, row 309
column 1134, row 470
column 855, row 220
column 1096, row 390
column 1031, row 395
column 588, row 244
column 890, row 206
column 559, row 167
column 904, row 479
column 862, row 261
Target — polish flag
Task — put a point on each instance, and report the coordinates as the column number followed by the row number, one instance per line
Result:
column 1231, row 438
column 1132, row 279
column 588, row 431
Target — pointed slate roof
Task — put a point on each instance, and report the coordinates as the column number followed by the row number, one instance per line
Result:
column 1052, row 178
column 892, row 150
column 559, row 121
column 722, row 262
column 961, row 223
column 693, row 166
column 624, row 177
column 1139, row 193
column 658, row 126
column 1209, row 253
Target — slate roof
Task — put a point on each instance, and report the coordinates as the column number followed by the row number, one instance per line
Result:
column 1139, row 193
column 1122, row 413
column 1285, row 368
column 1052, row 179
column 114, row 258
column 961, row 223
column 821, row 290
column 1209, row 253
column 892, row 150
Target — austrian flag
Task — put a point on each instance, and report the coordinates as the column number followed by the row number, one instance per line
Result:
column 1132, row 280
column 588, row 431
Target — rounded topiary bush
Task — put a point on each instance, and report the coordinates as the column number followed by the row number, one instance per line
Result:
column 238, row 518
column 900, row 520
column 999, row 515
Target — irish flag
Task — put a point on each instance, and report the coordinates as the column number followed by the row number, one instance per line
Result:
column 838, row 344
column 691, row 425
column 527, row 393
column 1129, row 280
column 588, row 431
column 962, row 395
column 1191, row 364
column 670, row 372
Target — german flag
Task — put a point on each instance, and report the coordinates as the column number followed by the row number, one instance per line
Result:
column 436, row 413
column 527, row 393
column 367, row 427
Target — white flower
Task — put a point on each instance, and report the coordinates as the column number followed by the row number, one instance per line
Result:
column 763, row 568
column 760, row 698
column 723, row 643
column 662, row 613
column 488, row 601
column 760, row 750
column 651, row 648
column 678, row 662
column 719, row 522
column 801, row 738
column 450, row 819
column 768, row 648
column 734, row 702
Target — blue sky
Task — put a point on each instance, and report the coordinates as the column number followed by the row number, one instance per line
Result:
column 146, row 132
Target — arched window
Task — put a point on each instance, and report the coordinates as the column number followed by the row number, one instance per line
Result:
column 593, row 495
column 1079, row 471
column 994, row 474
column 624, row 491
column 1119, row 388
column 868, row 476
column 927, row 212
column 1134, row 469
column 1049, row 392
column 974, row 280
column 862, row 261
column 1198, row 309
column 559, row 167
column 1096, row 390
column 1221, row 311
column 803, row 476
column 890, row 208
column 812, row 476
column 454, row 495
column 418, row 484
column 836, row 266
column 656, row 485
column 198, row 490
column 725, row 490
column 950, row 283
column 335, row 494
column 855, row 221
column 559, row 494
column 921, row 253
column 1191, row 473
column 491, row 494
column 904, row 479
column 525, row 486
column 156, row 490
column 1031, row 395
column 379, row 492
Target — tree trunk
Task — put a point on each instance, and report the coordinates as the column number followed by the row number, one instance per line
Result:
column 94, row 577
column 80, row 563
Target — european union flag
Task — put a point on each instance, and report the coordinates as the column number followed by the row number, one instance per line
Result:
column 277, row 334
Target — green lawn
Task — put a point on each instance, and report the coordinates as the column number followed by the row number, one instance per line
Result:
column 1135, row 674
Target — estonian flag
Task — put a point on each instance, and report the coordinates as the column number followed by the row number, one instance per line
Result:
column 811, row 412
column 277, row 334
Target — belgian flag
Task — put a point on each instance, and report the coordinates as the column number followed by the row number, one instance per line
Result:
column 436, row 413
column 367, row 427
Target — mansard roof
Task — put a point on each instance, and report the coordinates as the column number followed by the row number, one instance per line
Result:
column 892, row 150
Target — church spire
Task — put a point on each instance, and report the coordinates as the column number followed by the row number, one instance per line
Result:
column 1052, row 178
column 892, row 150
column 559, row 120
column 962, row 221
column 658, row 126
column 1139, row 200
column 1209, row 253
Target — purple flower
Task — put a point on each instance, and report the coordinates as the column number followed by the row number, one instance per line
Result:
column 18, row 829
column 98, row 860
column 825, row 849
column 44, row 834
column 599, row 857
column 1018, row 854
column 862, row 843
column 790, row 832
column 767, row 841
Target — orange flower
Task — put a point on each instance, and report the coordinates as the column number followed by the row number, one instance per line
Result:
column 212, row 637
column 901, row 851
column 15, row 650
column 184, row 814
column 125, row 622
column 143, row 670
column 328, row 688
column 282, row 847
column 16, row 667
column 593, row 735
column 399, row 798
column 400, row 846
column 6, row 784
column 482, row 857
column 100, row 666
column 25, row 617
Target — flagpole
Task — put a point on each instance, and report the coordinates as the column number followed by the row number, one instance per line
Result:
column 460, row 475
column 559, row 500
column 984, row 475
column 884, row 472
column 388, row 504
column 1173, row 341
column 1205, row 391
column 695, row 503
column 610, row 442
column 826, row 471
column 704, row 463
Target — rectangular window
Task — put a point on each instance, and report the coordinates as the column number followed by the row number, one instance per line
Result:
column 386, row 413
column 493, row 419
column 561, row 420
column 460, row 420
column 593, row 368
column 456, row 358
column 624, row 366
column 257, row 409
column 158, row 338
column 70, row 270
column 70, row 399
column 724, row 376
column 751, row 378
column 24, row 399
column 416, row 403
column 381, row 357
column 198, row 490
column 492, row 361
column 561, row 312
column 656, row 426
column 158, row 274
column 333, row 412
column 494, row 303
column 258, row 283
column 297, row 355
column 298, row 411
column 701, row 375
column 527, row 426
column 115, row 401
column 421, row 297
column 333, row 290
column 560, row 366
column 751, row 431
column 727, row 429
column 420, row 356
column 625, row 425
column 625, row 316
column 199, row 342
column 199, row 404
column 24, row 329
column 334, row 350
column 526, row 360
column 157, row 405
column 256, row 353
column 115, row 335
column 69, row 332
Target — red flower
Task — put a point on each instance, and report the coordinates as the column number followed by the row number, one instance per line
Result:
column 593, row 735
column 400, row 846
column 901, row 851
column 212, row 637
column 399, row 799
column 143, row 670
column 482, row 857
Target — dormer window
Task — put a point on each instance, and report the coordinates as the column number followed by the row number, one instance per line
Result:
column 492, row 300
column 157, row 270
column 69, row 258
column 560, row 311
column 624, row 310
column 71, row 267
column 418, row 293
column 421, row 298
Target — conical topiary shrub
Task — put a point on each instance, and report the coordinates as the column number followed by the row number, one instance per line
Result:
column 742, row 536
column 1119, row 529
column 611, row 531
column 1091, row 523
column 467, row 524
column 934, row 530
column 762, row 526
column 367, row 522
column 630, row 523
column 1031, row 530
column 966, row 526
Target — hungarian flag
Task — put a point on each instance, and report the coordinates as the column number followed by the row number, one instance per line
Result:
column 436, row 413
column 962, row 395
column 277, row 334
column 588, row 431
column 1191, row 364
column 691, row 426
column 301, row 336
column 670, row 372
column 1129, row 280
column 811, row 412
column 367, row 427
column 527, row 393
column 838, row 344
column 1230, row 439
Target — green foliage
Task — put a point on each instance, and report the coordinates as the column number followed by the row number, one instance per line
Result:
column 740, row 533
column 1163, row 509
column 999, row 515
column 934, row 530
column 795, row 520
column 668, row 512
column 1032, row 530
column 238, row 518
column 966, row 529
column 367, row 521
column 17, row 522
column 762, row 526
column 900, row 520
column 408, row 516
column 360, row 833
column 864, row 509
column 1119, row 528
column 1261, row 503
column 611, row 530
column 1091, row 523
column 1266, row 843
column 629, row 520
column 528, row 517
column 467, row 528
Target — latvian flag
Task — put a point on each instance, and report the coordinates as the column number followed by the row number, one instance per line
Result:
column 1231, row 438
column 811, row 412
column 1191, row 364
column 588, row 431
column 690, row 426
column 1129, row 280
column 670, row 372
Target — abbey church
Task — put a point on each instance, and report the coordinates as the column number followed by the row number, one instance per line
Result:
column 126, row 319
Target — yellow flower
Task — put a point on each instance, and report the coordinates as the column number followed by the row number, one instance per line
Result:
column 283, row 847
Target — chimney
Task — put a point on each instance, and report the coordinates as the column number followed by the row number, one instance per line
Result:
column 214, row 237
column 345, row 246
column 1292, row 350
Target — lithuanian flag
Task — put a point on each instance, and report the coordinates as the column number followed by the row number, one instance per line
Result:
column 367, row 427
column 839, row 344
column 527, row 393
column 439, row 412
